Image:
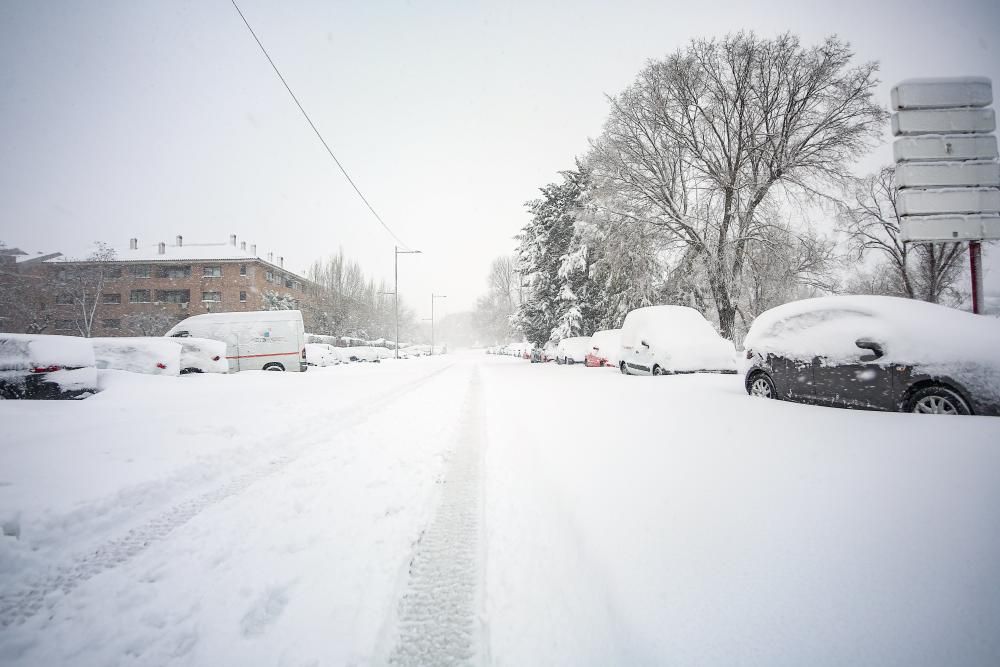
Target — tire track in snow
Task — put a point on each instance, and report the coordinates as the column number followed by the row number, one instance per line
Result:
column 18, row 606
column 437, row 623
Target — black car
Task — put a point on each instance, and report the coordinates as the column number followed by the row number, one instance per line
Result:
column 876, row 353
column 46, row 367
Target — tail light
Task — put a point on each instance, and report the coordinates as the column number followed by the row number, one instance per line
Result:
column 749, row 354
column 303, row 353
column 162, row 366
column 216, row 358
column 46, row 369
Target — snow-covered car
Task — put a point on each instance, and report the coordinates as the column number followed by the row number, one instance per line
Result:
column 321, row 354
column 663, row 340
column 202, row 355
column 537, row 356
column 573, row 350
column 549, row 352
column 153, row 356
column 878, row 353
column 46, row 367
column 363, row 353
column 605, row 348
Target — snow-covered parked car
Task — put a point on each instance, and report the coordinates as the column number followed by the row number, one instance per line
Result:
column 202, row 355
column 878, row 353
column 153, row 356
column 605, row 349
column 573, row 350
column 321, row 354
column 662, row 340
column 46, row 367
column 363, row 353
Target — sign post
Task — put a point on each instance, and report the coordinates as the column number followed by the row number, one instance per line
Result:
column 947, row 168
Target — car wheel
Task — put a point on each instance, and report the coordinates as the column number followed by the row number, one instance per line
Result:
column 570, row 361
column 937, row 400
column 657, row 370
column 274, row 367
column 623, row 368
column 185, row 371
column 762, row 386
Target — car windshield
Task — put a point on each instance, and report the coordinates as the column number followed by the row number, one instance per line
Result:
column 499, row 333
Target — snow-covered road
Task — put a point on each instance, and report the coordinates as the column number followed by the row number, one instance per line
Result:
column 478, row 509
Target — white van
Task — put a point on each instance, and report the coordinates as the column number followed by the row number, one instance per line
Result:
column 270, row 340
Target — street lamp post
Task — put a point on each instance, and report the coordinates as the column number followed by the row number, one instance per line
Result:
column 433, row 297
column 395, row 291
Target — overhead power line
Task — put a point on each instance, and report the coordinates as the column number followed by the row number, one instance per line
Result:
column 313, row 126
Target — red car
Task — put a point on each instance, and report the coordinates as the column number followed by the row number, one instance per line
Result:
column 594, row 361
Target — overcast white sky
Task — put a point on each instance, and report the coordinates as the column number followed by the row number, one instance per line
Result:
column 152, row 119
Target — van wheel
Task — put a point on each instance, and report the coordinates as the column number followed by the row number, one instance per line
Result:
column 570, row 361
column 623, row 368
column 657, row 370
column 274, row 367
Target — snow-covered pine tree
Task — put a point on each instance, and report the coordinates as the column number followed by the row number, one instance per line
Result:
column 554, row 263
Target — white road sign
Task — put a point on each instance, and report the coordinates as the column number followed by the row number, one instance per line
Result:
column 942, row 93
column 940, row 201
column 945, row 147
column 942, row 228
column 943, row 121
column 970, row 173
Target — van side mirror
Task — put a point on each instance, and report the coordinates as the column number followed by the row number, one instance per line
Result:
column 867, row 344
column 644, row 344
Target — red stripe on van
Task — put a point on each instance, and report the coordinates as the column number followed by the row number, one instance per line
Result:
column 273, row 354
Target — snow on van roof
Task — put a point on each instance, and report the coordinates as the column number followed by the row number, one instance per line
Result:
column 261, row 315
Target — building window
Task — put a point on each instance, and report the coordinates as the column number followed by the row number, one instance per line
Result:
column 113, row 272
column 111, row 324
column 139, row 296
column 173, row 295
column 175, row 272
column 65, row 325
column 211, row 296
column 243, row 269
column 211, row 271
column 243, row 297
column 139, row 271
column 64, row 299
column 111, row 298
column 289, row 283
column 269, row 276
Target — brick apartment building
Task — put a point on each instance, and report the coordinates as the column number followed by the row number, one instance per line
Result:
column 144, row 290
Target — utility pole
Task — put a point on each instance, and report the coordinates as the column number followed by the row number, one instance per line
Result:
column 395, row 291
column 434, row 296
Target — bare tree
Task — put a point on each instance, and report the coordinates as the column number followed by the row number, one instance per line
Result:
column 871, row 220
column 701, row 140
column 82, row 283
column 148, row 324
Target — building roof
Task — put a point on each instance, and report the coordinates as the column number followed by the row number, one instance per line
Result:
column 184, row 252
column 25, row 257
